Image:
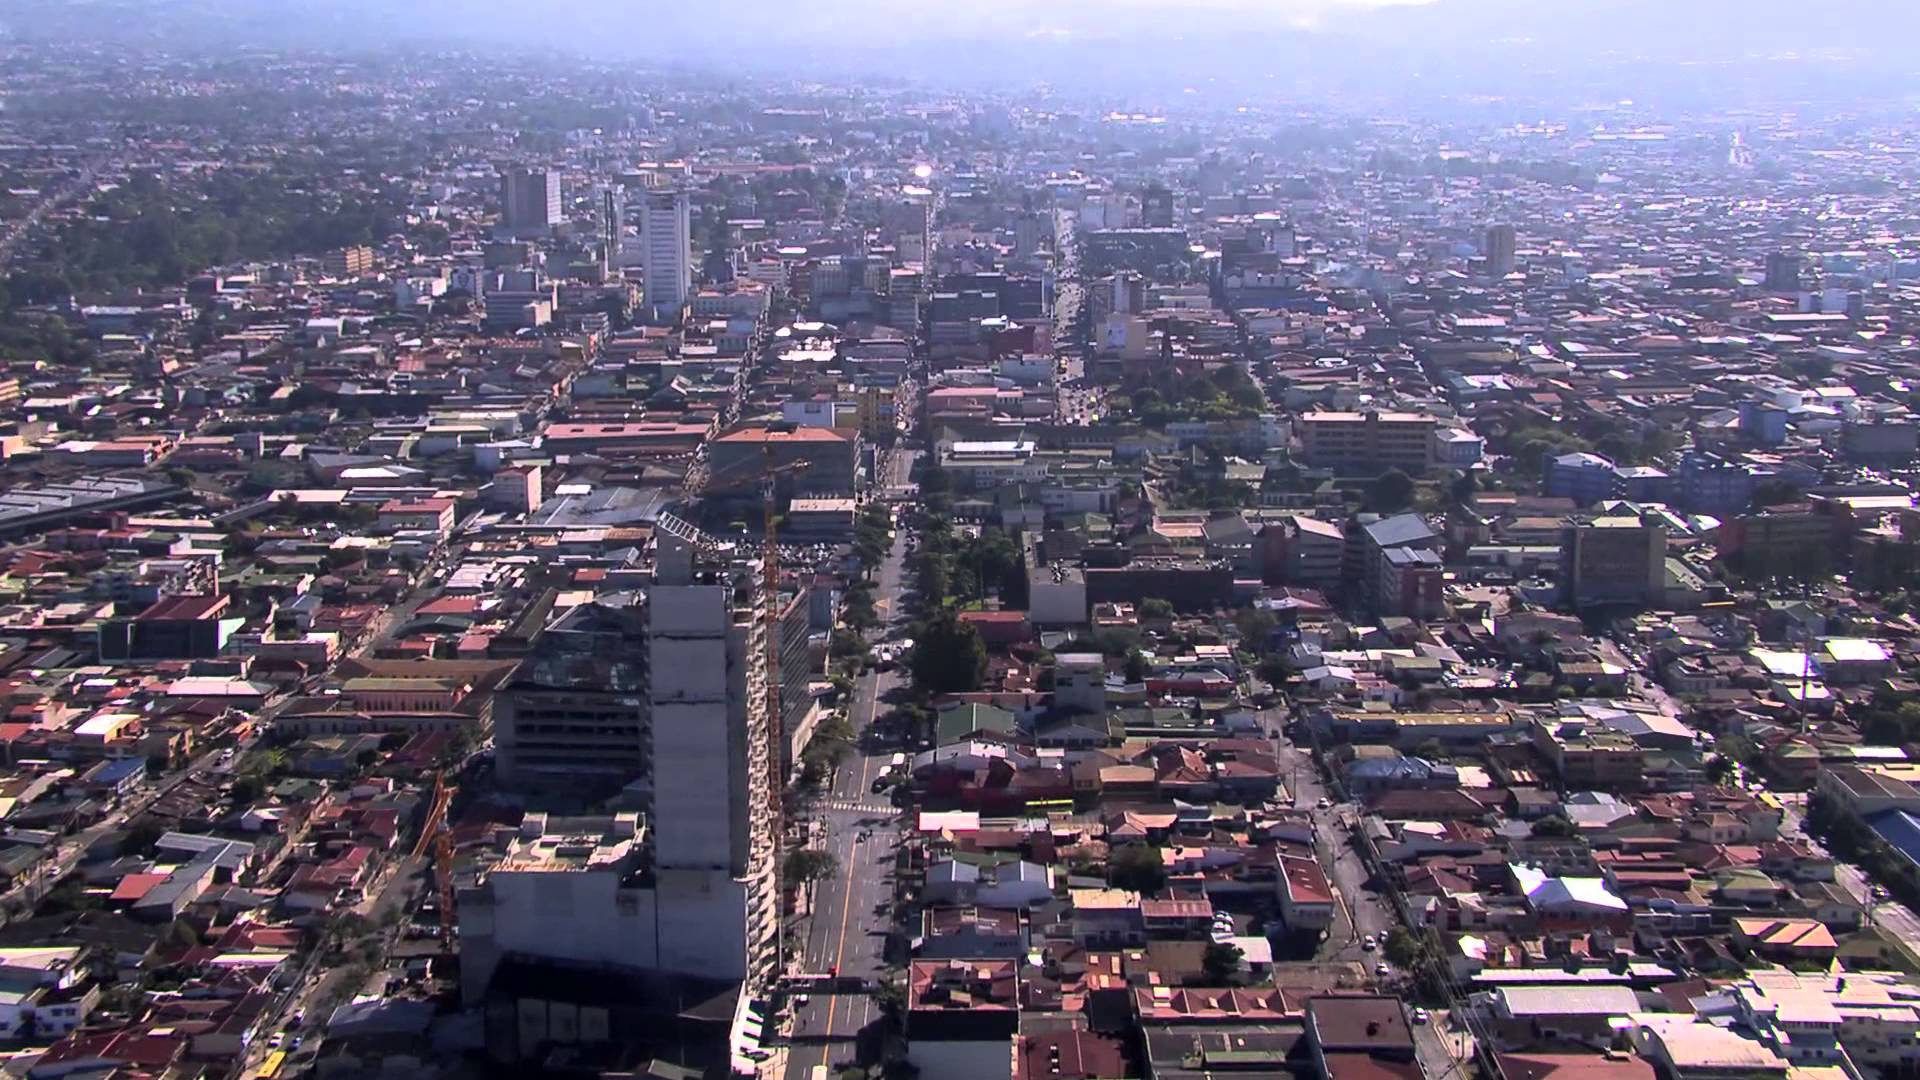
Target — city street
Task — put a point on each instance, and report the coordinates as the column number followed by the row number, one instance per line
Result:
column 1443, row 1051
column 852, row 910
column 1890, row 915
column 1357, row 912
column 1444, row 1048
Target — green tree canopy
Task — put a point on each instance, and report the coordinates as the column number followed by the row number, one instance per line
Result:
column 1391, row 492
column 1138, row 868
column 948, row 655
column 805, row 865
column 1221, row 962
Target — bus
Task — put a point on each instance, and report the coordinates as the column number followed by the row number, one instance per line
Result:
column 270, row 1068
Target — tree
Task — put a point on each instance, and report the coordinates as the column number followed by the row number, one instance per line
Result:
column 265, row 763
column 1155, row 609
column 1221, row 962
column 1719, row 770
column 1552, row 827
column 859, row 612
column 1532, row 446
column 846, row 643
column 141, row 836
column 1274, row 670
column 1465, row 486
column 1774, row 491
column 948, row 656
column 807, row 865
column 1256, row 626
column 1136, row 666
column 1138, row 868
column 1402, row 949
column 1736, row 748
column 1391, row 491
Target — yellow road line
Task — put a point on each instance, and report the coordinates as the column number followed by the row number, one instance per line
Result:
column 846, row 898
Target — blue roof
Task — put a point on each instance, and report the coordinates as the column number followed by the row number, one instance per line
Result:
column 1901, row 830
column 112, row 772
column 1402, row 556
column 1401, row 529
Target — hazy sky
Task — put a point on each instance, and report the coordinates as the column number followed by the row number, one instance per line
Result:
column 1413, row 48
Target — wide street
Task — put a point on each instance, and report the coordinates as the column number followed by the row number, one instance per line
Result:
column 851, row 916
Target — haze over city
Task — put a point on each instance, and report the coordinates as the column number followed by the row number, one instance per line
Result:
column 1122, row 540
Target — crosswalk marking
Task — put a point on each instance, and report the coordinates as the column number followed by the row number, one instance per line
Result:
column 860, row 807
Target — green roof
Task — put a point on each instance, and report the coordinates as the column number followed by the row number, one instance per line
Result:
column 963, row 720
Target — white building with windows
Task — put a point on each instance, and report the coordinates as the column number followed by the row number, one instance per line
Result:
column 666, row 249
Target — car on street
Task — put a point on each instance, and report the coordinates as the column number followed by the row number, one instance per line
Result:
column 1383, row 969
column 1369, row 943
column 1421, row 1016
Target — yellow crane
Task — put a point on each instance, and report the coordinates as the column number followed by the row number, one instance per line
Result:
column 437, row 835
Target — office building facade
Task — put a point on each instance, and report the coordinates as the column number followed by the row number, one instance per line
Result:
column 529, row 201
column 666, row 244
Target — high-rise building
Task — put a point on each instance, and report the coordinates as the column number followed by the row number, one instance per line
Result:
column 1500, row 250
column 669, row 695
column 1156, row 207
column 907, row 223
column 529, row 201
column 717, row 754
column 574, row 713
column 611, row 208
column 1618, row 558
column 666, row 243
column 1783, row 271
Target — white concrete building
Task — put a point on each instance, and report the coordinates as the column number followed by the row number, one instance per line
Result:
column 1862, row 1018
column 716, row 764
column 666, row 248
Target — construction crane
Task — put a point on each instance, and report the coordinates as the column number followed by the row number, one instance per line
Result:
column 769, row 475
column 435, row 835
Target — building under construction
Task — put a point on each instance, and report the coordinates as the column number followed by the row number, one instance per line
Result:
column 689, row 883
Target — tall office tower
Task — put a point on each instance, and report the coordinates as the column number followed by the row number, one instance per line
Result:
column 1156, row 207
column 907, row 223
column 530, row 201
column 666, row 243
column 1783, row 271
column 612, row 212
column 1500, row 249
